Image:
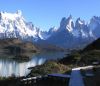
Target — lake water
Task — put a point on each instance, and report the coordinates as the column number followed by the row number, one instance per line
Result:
column 10, row 66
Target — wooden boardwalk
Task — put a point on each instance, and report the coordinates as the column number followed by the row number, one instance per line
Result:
column 76, row 78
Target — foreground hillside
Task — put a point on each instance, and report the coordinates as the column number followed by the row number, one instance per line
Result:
column 93, row 46
column 87, row 56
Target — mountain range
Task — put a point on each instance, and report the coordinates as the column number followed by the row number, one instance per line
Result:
column 68, row 35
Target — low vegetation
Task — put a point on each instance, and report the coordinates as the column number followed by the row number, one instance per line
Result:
column 71, row 59
column 48, row 68
column 90, row 57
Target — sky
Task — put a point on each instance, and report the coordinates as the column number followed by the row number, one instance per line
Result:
column 48, row 13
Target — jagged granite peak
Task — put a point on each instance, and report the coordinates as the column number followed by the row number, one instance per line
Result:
column 79, row 22
column 63, row 22
column 80, row 29
column 67, row 23
column 76, row 34
column 94, row 22
column 70, row 24
column 94, row 26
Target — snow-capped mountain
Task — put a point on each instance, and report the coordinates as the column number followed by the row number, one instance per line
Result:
column 13, row 25
column 70, row 34
column 76, row 34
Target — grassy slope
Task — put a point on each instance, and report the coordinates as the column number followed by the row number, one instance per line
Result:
column 48, row 68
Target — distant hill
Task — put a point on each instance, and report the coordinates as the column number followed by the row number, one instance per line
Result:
column 15, row 42
column 17, row 48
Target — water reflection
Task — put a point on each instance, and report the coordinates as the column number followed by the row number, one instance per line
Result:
column 10, row 66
